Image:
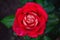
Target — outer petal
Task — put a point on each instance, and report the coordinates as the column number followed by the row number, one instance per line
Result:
column 28, row 7
column 32, row 34
column 17, row 29
column 42, row 12
column 41, row 30
column 18, row 12
column 42, row 26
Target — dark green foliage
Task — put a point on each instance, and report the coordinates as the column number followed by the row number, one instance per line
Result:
column 8, row 21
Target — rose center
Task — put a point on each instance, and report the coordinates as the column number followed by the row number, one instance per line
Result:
column 30, row 21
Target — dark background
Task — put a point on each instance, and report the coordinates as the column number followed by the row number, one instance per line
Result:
column 8, row 8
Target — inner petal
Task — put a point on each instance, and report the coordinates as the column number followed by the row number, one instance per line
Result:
column 30, row 19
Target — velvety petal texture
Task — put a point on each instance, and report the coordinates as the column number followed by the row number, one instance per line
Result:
column 30, row 20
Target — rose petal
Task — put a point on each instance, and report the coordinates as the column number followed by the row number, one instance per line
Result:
column 32, row 34
column 29, row 7
column 19, row 31
column 42, row 29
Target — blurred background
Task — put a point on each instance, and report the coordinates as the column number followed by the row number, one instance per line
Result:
column 8, row 9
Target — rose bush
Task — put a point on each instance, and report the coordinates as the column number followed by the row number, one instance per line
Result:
column 30, row 20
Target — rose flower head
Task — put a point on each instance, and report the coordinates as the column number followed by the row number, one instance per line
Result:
column 30, row 20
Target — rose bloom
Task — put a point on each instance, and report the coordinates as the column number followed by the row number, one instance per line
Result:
column 30, row 20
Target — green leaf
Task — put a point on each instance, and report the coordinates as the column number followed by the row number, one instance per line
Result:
column 30, row 0
column 52, row 21
column 48, row 7
column 38, row 38
column 34, row 39
column 26, row 38
column 8, row 21
column 46, row 38
column 39, row 1
column 24, row 1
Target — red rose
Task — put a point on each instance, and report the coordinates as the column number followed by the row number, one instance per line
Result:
column 30, row 20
